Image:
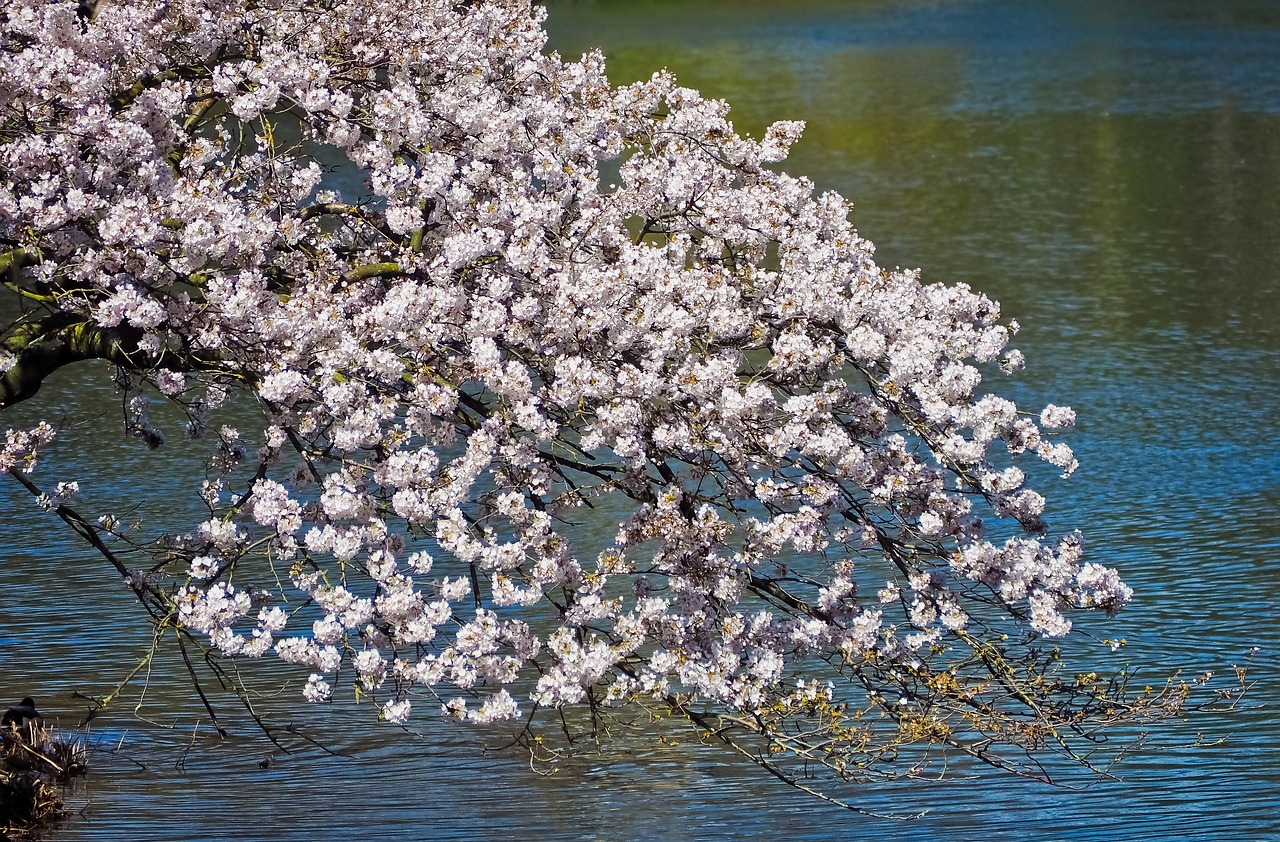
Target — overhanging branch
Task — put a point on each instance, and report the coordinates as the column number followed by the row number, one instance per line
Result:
column 60, row 339
column 17, row 258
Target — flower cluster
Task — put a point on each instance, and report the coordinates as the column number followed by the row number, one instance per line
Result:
column 461, row 352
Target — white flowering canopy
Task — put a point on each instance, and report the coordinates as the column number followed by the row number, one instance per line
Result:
column 488, row 341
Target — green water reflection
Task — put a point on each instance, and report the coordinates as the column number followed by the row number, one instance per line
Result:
column 1020, row 154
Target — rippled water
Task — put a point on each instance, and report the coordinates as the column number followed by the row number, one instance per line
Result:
column 1110, row 171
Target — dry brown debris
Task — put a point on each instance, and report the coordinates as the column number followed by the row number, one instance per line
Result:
column 34, row 764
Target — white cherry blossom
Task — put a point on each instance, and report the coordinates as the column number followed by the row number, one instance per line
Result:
column 468, row 343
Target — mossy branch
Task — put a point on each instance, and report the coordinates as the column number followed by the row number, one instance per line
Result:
column 43, row 347
column 15, row 259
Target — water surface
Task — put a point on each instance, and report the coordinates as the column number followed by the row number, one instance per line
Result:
column 1109, row 171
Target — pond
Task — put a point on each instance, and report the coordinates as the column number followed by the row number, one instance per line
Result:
column 1109, row 171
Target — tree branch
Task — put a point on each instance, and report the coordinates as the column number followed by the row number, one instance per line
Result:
column 17, row 258
column 60, row 339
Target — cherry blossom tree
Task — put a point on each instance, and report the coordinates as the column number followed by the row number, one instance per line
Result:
column 476, row 295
